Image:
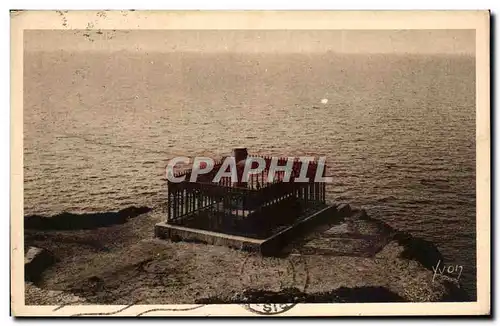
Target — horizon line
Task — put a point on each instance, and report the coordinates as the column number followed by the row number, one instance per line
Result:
column 136, row 51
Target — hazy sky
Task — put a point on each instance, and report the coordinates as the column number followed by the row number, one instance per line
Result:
column 282, row 41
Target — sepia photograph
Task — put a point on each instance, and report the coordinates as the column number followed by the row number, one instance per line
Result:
column 256, row 162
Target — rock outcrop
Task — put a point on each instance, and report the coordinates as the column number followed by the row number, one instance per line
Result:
column 36, row 260
column 71, row 221
column 293, row 295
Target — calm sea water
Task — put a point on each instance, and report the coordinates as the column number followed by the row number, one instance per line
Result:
column 398, row 131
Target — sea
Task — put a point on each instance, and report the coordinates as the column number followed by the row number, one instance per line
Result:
column 398, row 130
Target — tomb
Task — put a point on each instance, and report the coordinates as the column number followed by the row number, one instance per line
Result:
column 256, row 213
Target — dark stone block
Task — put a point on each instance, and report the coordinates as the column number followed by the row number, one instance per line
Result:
column 423, row 251
column 36, row 261
column 344, row 210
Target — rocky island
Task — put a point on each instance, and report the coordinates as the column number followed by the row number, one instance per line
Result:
column 114, row 258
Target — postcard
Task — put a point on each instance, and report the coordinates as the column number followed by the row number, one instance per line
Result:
column 250, row 163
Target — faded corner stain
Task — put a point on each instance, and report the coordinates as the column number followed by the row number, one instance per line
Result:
column 16, row 12
column 63, row 16
column 101, row 14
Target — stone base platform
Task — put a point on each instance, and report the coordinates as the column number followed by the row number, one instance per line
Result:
column 267, row 247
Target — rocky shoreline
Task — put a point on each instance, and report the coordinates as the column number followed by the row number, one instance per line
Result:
column 112, row 258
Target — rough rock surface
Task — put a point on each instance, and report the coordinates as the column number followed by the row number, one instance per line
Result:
column 357, row 260
column 38, row 296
